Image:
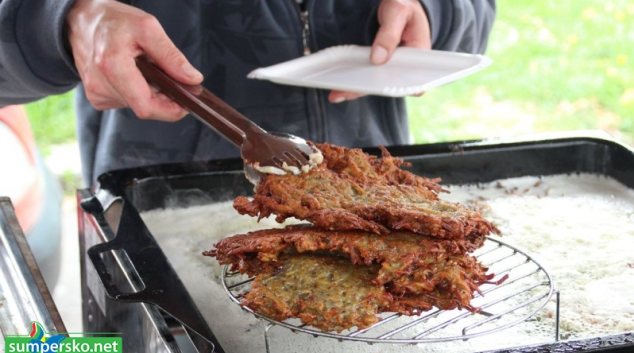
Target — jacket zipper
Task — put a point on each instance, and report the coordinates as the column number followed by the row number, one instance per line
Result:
column 313, row 94
column 305, row 30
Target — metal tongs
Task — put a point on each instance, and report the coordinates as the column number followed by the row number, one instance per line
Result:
column 262, row 151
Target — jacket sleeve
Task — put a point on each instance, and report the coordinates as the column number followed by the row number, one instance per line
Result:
column 34, row 62
column 460, row 25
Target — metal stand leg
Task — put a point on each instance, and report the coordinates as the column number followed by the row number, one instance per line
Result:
column 266, row 337
column 557, row 317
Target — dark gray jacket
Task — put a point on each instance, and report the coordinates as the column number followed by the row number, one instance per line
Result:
column 225, row 40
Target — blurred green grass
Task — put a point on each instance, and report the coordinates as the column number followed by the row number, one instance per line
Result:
column 558, row 65
column 52, row 120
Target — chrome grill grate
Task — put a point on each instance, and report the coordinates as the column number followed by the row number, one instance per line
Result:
column 527, row 290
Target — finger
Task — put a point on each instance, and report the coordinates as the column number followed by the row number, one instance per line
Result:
column 175, row 112
column 164, row 98
column 102, row 102
column 179, row 112
column 101, row 94
column 417, row 94
column 393, row 17
column 156, row 94
column 110, row 97
column 417, row 33
column 124, row 76
column 159, row 47
column 342, row 96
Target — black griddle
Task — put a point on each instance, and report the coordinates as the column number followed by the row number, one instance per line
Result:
column 173, row 185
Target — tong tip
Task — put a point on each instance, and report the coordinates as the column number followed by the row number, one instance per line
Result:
column 281, row 168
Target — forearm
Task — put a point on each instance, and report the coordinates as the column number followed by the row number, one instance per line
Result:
column 460, row 25
column 34, row 62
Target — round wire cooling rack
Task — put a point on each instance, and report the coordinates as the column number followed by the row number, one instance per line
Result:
column 527, row 290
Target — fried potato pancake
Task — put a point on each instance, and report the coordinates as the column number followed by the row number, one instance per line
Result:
column 322, row 291
column 329, row 293
column 352, row 190
column 406, row 259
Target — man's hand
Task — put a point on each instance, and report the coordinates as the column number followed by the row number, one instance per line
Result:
column 106, row 36
column 402, row 22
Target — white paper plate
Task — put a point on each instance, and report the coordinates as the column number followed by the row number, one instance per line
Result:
column 348, row 68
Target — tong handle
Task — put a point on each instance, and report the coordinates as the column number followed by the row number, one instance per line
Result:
column 199, row 101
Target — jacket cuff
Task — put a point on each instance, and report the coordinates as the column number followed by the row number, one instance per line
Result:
column 39, row 33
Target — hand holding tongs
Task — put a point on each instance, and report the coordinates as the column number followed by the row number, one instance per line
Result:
column 275, row 153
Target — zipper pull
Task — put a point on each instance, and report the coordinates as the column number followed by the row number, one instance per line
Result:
column 305, row 31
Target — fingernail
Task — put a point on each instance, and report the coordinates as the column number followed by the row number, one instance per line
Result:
column 339, row 99
column 191, row 71
column 379, row 55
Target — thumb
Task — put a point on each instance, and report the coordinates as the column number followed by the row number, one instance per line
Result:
column 393, row 17
column 162, row 50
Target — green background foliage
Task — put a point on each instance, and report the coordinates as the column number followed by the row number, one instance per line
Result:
column 558, row 65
